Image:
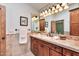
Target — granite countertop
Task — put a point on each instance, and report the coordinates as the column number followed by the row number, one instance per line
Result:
column 69, row 43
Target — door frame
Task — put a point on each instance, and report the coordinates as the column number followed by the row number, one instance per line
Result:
column 3, row 38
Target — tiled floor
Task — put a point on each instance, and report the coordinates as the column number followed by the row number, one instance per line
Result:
column 13, row 48
column 29, row 53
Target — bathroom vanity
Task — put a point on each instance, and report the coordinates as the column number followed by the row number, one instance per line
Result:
column 68, row 23
column 42, row 45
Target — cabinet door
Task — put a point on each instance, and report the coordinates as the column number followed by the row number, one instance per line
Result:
column 34, row 46
column 54, row 53
column 43, row 50
column 46, row 51
column 67, row 52
column 75, row 54
column 74, row 22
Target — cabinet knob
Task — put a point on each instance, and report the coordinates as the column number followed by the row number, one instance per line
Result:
column 3, row 38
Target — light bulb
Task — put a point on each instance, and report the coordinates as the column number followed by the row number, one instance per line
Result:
column 58, row 6
column 53, row 8
column 49, row 10
column 41, row 14
column 49, row 13
column 66, row 7
column 45, row 11
column 56, row 11
column 52, row 12
column 32, row 18
column 60, row 9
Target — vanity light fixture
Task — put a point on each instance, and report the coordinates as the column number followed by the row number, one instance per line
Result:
column 55, row 9
column 34, row 18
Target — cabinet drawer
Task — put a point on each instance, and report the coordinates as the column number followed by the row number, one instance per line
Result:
column 67, row 52
column 56, row 48
column 52, row 46
column 75, row 54
column 54, row 53
column 35, row 51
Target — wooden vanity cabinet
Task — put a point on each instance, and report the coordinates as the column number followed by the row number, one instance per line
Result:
column 39, row 48
column 42, row 48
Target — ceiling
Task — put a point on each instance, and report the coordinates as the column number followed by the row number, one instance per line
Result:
column 38, row 6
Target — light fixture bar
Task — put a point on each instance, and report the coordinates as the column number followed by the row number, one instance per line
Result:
column 54, row 9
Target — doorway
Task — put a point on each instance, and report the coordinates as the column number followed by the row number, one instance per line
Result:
column 42, row 24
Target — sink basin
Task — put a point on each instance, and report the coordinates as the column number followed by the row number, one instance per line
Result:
column 56, row 37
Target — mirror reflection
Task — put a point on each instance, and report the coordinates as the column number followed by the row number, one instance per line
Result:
column 58, row 20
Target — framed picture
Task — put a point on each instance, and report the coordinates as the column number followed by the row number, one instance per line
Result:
column 23, row 21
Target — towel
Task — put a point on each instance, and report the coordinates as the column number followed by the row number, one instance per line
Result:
column 23, row 35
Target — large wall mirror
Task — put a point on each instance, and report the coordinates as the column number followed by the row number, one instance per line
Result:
column 64, row 22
